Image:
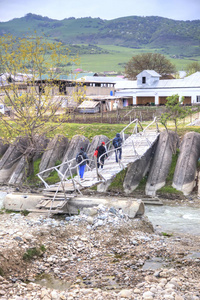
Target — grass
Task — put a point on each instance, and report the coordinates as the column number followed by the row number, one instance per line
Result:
column 168, row 185
column 90, row 130
column 53, row 177
column 142, row 184
column 34, row 252
column 166, row 234
column 117, row 184
column 119, row 56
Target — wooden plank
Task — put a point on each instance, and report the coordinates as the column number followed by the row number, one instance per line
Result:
column 55, row 204
column 43, row 203
column 58, row 195
column 45, row 211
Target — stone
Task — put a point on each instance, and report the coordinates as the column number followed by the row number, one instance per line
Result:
column 125, row 293
column 54, row 151
column 137, row 170
column 73, row 149
column 137, row 291
column 186, row 167
column 167, row 144
column 96, row 141
column 90, row 220
column 148, row 295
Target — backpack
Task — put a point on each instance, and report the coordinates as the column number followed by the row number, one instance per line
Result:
column 79, row 158
column 96, row 152
column 117, row 142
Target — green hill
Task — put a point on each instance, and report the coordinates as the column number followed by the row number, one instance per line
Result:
column 177, row 39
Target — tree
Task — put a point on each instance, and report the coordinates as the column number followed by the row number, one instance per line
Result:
column 148, row 61
column 33, row 110
column 192, row 67
column 174, row 111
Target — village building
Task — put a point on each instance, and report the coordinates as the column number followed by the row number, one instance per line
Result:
column 149, row 89
column 90, row 93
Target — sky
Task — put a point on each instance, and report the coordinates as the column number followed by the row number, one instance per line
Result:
column 104, row 9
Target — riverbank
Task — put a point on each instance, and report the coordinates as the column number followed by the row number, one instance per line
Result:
column 99, row 254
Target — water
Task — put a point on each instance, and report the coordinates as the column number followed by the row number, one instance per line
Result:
column 155, row 263
column 49, row 281
column 174, row 219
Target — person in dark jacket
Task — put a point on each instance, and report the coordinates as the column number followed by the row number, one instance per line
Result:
column 117, row 143
column 101, row 151
column 81, row 159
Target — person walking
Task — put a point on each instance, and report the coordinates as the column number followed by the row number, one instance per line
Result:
column 117, row 143
column 102, row 155
column 81, row 159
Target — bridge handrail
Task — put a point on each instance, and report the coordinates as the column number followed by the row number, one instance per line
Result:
column 144, row 131
column 154, row 121
column 62, row 164
column 69, row 162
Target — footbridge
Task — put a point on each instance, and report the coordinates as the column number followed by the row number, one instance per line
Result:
column 57, row 196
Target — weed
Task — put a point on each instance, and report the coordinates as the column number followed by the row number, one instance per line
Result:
column 9, row 211
column 25, row 212
column 117, row 183
column 166, row 234
column 142, row 184
column 168, row 185
column 1, row 272
column 34, row 252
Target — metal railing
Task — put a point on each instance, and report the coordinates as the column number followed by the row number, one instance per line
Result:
column 71, row 166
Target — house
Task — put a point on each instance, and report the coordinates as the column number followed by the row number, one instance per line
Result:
column 149, row 89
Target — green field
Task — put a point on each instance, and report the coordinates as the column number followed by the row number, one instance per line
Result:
column 118, row 56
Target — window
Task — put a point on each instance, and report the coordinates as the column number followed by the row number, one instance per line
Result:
column 143, row 79
column 198, row 99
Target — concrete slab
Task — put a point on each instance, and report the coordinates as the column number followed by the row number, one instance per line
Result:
column 18, row 202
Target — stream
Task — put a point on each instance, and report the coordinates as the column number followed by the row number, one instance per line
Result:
column 174, row 218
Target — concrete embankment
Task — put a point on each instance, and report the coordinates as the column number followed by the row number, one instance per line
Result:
column 186, row 168
column 18, row 202
column 167, row 145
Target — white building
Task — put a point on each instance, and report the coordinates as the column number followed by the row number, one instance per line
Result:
column 150, row 89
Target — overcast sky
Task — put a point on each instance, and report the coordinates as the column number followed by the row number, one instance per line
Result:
column 104, row 9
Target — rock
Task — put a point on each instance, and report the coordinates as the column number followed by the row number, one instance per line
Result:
column 137, row 291
column 125, row 293
column 90, row 220
column 2, row 293
column 137, row 170
column 54, row 151
column 10, row 159
column 3, row 147
column 178, row 297
column 76, row 143
column 186, row 167
column 96, row 141
column 148, row 295
column 167, row 144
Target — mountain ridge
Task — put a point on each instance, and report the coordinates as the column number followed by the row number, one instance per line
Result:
column 131, row 31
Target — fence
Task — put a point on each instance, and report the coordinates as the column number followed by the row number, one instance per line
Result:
column 127, row 115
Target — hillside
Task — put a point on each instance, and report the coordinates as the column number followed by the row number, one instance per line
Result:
column 133, row 32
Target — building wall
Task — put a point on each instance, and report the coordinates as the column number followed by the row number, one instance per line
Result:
column 145, row 100
column 90, row 90
column 160, row 95
column 149, row 80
